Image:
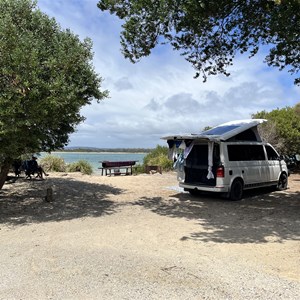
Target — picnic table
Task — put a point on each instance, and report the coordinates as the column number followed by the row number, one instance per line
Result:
column 117, row 167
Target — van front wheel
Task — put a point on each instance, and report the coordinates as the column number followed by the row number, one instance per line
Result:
column 282, row 182
column 236, row 190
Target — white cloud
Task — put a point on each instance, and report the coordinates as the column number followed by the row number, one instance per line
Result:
column 123, row 84
column 158, row 96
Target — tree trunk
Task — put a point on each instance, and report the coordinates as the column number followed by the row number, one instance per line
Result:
column 4, row 171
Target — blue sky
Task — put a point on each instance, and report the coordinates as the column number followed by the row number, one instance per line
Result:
column 159, row 96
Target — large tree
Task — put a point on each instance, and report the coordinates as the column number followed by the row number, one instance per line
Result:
column 282, row 129
column 210, row 33
column 46, row 77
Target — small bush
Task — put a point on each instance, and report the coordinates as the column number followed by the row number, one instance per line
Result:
column 82, row 166
column 159, row 157
column 53, row 163
column 138, row 169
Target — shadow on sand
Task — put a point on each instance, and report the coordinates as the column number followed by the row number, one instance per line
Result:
column 25, row 203
column 260, row 217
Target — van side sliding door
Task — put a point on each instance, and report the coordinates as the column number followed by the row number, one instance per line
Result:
column 250, row 161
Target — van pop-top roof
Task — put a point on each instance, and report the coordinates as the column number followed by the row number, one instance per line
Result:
column 238, row 130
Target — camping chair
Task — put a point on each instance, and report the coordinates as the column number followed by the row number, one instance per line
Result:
column 31, row 168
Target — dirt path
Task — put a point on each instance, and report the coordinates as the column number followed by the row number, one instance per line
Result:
column 140, row 237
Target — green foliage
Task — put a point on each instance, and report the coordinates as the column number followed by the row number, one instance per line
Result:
column 159, row 157
column 82, row 166
column 206, row 128
column 52, row 163
column 211, row 33
column 138, row 169
column 297, row 109
column 46, row 78
column 286, row 128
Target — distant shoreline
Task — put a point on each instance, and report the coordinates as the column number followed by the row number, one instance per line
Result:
column 105, row 150
column 99, row 152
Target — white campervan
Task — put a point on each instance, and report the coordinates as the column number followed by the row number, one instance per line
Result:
column 227, row 159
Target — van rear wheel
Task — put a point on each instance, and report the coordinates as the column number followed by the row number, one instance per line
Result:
column 236, row 190
column 282, row 182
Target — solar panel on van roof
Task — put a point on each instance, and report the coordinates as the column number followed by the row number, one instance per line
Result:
column 219, row 130
column 222, row 132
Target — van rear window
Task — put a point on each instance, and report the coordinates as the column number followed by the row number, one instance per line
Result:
column 245, row 152
column 199, row 156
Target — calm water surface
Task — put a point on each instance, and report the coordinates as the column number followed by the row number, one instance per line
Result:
column 95, row 158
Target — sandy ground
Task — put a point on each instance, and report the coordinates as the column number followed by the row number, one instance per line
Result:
column 140, row 237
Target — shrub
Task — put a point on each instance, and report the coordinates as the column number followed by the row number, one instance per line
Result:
column 138, row 169
column 53, row 163
column 159, row 157
column 82, row 166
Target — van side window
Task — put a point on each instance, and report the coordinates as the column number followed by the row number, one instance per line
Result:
column 271, row 153
column 245, row 152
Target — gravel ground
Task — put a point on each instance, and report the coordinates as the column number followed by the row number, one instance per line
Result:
column 140, row 237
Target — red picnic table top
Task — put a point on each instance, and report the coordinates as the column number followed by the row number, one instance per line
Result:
column 112, row 164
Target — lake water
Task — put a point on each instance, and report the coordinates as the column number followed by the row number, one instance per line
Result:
column 95, row 158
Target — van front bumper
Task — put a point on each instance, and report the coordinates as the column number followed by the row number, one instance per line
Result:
column 205, row 188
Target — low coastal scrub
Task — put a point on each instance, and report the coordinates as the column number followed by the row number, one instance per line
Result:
column 82, row 166
column 138, row 169
column 53, row 163
column 159, row 157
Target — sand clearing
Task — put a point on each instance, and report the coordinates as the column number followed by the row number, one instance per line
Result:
column 140, row 237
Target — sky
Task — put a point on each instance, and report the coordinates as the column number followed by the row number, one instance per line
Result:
column 159, row 96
